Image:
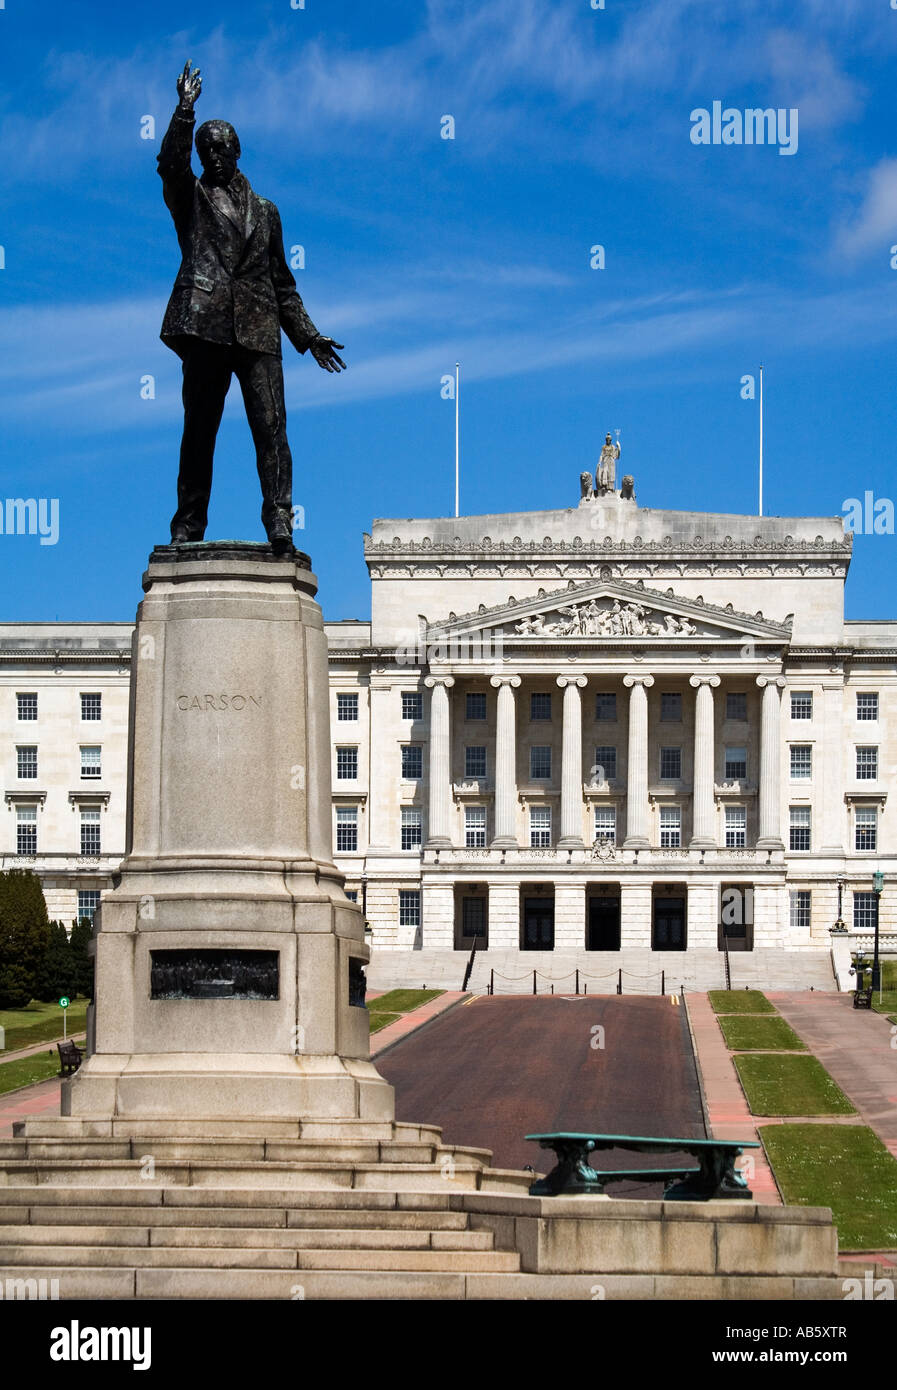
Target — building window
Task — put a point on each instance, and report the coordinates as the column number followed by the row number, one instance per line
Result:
column 92, row 705
column 800, row 828
column 412, row 704
column 606, row 823
column 27, row 706
column 346, row 764
column 346, row 829
column 91, row 764
column 540, row 705
column 88, row 902
column 540, row 827
column 865, row 911
column 867, row 704
column 736, row 704
column 26, row 761
column 605, row 762
column 412, row 761
column 606, row 705
column 475, row 705
column 801, row 762
column 801, row 704
column 351, row 894
column 409, row 907
column 475, row 827
column 26, row 830
column 866, row 828
column 90, row 831
column 736, row 764
column 347, row 707
column 867, row 764
column 670, row 707
column 411, row 827
column 670, row 827
column 670, row 764
column 540, row 762
column 473, row 917
column 800, row 909
column 736, row 827
column 474, row 762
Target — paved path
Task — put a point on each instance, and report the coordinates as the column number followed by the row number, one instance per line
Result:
column 42, row 1099
column 498, row 1068
column 728, row 1114
column 47, row 1046
column 854, row 1046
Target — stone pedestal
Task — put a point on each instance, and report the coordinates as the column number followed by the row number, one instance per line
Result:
column 229, row 960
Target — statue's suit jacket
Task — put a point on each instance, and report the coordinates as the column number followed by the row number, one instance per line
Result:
column 234, row 284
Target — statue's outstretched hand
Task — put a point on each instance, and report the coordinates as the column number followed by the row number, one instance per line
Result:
column 189, row 85
column 323, row 351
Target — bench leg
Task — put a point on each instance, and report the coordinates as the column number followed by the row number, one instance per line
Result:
column 717, row 1178
column 573, row 1174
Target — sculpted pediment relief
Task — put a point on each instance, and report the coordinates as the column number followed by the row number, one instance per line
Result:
column 609, row 610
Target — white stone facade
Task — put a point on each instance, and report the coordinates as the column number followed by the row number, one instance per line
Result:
column 603, row 727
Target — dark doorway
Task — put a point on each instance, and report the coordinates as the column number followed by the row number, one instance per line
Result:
column 538, row 924
column 669, row 925
column 471, row 921
column 604, row 924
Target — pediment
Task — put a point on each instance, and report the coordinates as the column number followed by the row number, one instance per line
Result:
column 603, row 611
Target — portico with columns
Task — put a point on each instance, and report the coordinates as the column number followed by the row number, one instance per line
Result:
column 593, row 701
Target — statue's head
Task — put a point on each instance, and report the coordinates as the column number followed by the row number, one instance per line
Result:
column 218, row 147
column 607, row 437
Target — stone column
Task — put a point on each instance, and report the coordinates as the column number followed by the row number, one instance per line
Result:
column 637, row 763
column 770, row 828
column 440, row 804
column 506, row 763
column 703, row 808
column 571, row 763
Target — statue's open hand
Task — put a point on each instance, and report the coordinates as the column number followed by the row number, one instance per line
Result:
column 323, row 351
column 189, row 85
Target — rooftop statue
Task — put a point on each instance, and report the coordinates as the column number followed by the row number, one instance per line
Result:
column 233, row 295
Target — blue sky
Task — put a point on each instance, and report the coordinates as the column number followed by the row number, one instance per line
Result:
column 572, row 128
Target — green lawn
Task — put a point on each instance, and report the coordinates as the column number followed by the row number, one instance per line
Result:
column 379, row 1020
column 739, row 1001
column 401, row 1001
column 41, row 1023
column 744, row 1033
column 790, row 1085
column 845, row 1167
column 26, row 1070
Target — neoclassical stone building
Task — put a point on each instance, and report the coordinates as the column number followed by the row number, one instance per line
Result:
column 588, row 732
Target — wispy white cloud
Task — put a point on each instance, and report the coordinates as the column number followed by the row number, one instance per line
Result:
column 873, row 224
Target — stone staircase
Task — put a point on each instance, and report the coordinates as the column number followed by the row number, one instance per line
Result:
column 247, row 1217
column 694, row 970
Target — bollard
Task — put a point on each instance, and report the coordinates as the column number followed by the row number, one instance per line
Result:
column 552, row 986
column 534, row 982
column 663, row 982
column 620, row 980
column 491, row 981
column 577, row 979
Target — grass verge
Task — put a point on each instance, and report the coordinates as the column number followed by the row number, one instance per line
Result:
column 845, row 1167
column 744, row 1033
column 402, row 1001
column 790, row 1085
column 40, row 1023
column 26, row 1070
column 739, row 1001
column 378, row 1020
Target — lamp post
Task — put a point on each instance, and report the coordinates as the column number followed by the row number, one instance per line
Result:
column 839, row 924
column 878, row 883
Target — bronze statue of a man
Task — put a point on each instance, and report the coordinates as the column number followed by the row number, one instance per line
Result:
column 233, row 294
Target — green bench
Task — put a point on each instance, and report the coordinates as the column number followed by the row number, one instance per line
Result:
column 716, row 1175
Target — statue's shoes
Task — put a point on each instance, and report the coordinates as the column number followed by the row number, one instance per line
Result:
column 179, row 535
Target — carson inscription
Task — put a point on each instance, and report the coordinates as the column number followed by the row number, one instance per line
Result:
column 203, row 703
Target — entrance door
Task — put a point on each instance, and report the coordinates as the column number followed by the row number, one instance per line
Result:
column 604, row 924
column 538, row 924
column 669, row 925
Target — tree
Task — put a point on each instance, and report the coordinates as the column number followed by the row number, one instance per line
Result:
column 81, row 935
column 24, row 936
column 56, row 974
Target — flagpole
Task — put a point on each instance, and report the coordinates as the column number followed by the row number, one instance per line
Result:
column 457, row 437
column 761, row 439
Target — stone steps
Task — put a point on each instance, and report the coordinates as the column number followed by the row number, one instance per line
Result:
column 247, row 1237
column 698, row 969
column 273, row 1220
